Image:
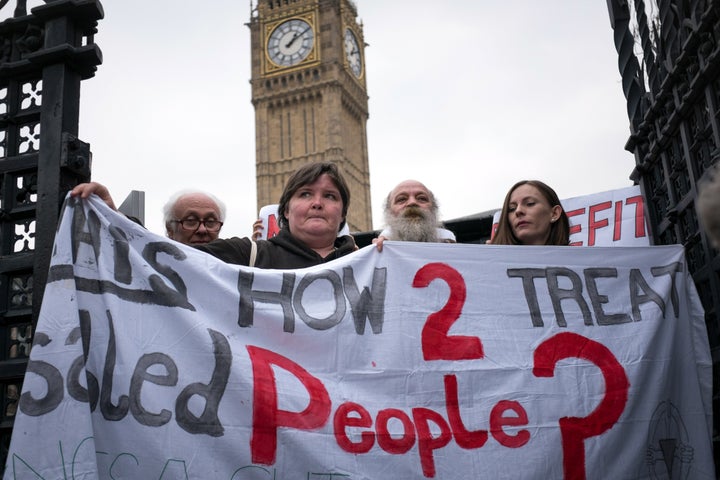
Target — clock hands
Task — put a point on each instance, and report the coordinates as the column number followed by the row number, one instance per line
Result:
column 295, row 37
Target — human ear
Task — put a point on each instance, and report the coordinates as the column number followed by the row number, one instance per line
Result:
column 556, row 211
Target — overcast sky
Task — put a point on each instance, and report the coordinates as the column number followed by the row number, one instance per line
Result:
column 466, row 96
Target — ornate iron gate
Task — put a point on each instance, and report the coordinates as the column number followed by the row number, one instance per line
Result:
column 44, row 56
column 669, row 58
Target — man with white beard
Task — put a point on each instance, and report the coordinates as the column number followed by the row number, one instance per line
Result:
column 411, row 215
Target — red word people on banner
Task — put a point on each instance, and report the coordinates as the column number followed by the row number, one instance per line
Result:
column 268, row 418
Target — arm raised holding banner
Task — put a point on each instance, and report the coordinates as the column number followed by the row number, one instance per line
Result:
column 84, row 190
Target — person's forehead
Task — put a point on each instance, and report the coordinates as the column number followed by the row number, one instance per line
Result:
column 322, row 182
column 525, row 191
column 410, row 188
column 195, row 203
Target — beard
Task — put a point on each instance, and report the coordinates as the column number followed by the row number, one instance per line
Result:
column 413, row 224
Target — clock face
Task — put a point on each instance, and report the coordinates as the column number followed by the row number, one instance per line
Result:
column 352, row 53
column 290, row 43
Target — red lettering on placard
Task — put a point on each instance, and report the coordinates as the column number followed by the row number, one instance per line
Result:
column 463, row 437
column 426, row 441
column 267, row 418
column 574, row 430
column 387, row 442
column 593, row 224
column 436, row 343
column 363, row 419
column 577, row 228
column 498, row 420
column 272, row 226
column 639, row 215
column 617, row 231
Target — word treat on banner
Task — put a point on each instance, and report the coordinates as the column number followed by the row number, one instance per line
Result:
column 154, row 360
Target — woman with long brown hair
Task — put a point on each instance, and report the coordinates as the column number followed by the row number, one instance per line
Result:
column 532, row 215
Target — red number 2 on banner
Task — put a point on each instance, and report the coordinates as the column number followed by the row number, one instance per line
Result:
column 436, row 343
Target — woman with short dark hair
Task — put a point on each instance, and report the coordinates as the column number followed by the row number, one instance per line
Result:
column 312, row 210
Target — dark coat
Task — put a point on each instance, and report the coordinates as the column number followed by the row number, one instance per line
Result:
column 283, row 251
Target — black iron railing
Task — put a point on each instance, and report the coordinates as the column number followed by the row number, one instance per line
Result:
column 669, row 58
column 44, row 55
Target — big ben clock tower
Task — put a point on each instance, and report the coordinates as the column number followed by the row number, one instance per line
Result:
column 310, row 97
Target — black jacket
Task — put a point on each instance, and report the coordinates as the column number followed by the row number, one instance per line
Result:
column 282, row 251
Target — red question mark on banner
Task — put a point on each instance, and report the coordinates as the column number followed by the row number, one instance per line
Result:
column 575, row 430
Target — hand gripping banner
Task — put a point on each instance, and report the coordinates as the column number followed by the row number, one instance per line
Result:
column 153, row 360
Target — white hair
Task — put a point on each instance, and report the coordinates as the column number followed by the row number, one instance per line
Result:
column 170, row 204
column 708, row 206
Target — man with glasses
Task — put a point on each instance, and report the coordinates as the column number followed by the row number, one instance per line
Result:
column 193, row 217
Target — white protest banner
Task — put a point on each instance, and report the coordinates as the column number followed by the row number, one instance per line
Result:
column 153, row 360
column 615, row 218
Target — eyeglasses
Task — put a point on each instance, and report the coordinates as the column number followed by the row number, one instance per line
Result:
column 192, row 224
